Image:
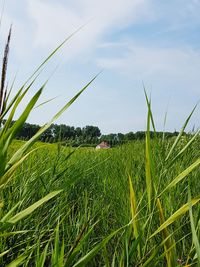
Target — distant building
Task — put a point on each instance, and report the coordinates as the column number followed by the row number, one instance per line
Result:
column 103, row 145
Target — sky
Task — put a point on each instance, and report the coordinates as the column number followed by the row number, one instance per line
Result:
column 137, row 43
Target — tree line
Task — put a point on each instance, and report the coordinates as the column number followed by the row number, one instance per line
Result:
column 88, row 135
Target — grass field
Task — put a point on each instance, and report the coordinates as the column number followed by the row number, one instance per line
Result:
column 133, row 205
column 103, row 216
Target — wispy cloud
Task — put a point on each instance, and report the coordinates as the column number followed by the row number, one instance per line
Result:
column 146, row 61
column 54, row 21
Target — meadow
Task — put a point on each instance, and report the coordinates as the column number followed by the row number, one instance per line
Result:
column 132, row 205
column 102, row 217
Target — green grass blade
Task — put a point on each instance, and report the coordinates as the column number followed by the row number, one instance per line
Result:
column 148, row 165
column 169, row 253
column 182, row 175
column 176, row 215
column 30, row 209
column 54, row 51
column 164, row 125
column 11, row 169
column 14, row 105
column 17, row 261
column 187, row 145
column 133, row 206
column 62, row 254
column 194, row 234
column 42, row 257
column 21, row 120
column 92, row 253
column 29, row 143
column 8, row 234
column 79, row 243
column 87, row 258
column 10, row 212
column 4, row 253
column 149, row 109
column 180, row 134
column 7, row 135
column 45, row 102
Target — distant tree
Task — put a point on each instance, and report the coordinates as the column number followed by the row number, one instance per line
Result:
column 120, row 138
column 86, row 135
column 28, row 130
column 129, row 136
column 140, row 135
column 78, row 132
column 47, row 136
column 63, row 132
column 91, row 131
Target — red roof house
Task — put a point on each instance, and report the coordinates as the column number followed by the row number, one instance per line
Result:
column 103, row 145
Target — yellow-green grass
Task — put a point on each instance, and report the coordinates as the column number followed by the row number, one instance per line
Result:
column 95, row 202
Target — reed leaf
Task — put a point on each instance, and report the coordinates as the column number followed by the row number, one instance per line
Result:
column 180, row 134
column 169, row 245
column 194, row 234
column 148, row 163
column 92, row 253
column 186, row 146
column 17, row 262
column 133, row 205
column 175, row 216
column 30, row 142
column 22, row 214
column 182, row 175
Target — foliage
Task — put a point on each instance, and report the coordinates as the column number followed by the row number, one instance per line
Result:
column 90, row 135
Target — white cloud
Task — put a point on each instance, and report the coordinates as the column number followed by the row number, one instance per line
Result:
column 151, row 63
column 40, row 25
column 54, row 21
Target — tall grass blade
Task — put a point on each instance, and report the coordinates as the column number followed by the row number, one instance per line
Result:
column 9, row 173
column 133, row 205
column 33, row 207
column 148, row 162
column 29, row 143
column 54, row 51
column 164, row 125
column 176, row 215
column 11, row 133
column 14, row 105
column 4, row 253
column 180, row 134
column 7, row 135
column 45, row 102
column 149, row 109
column 10, row 212
column 79, row 242
column 42, row 257
column 182, row 175
column 169, row 245
column 3, row 72
column 17, row 262
column 186, row 146
column 194, row 234
column 8, row 234
column 91, row 254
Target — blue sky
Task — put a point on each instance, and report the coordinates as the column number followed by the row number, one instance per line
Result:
column 134, row 41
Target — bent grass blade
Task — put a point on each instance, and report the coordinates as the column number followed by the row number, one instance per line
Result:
column 175, row 216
